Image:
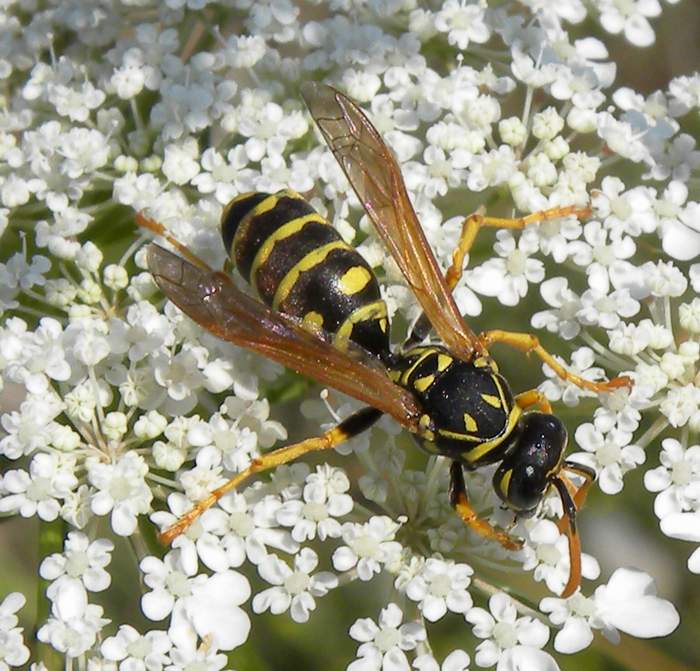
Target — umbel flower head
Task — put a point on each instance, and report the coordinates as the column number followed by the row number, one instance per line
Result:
column 118, row 413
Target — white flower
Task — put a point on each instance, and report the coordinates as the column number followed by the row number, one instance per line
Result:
column 383, row 646
column 74, row 623
column 187, row 653
column 13, row 652
column 511, row 642
column 605, row 260
column 368, row 546
column 168, row 579
column 200, row 539
column 630, row 18
column 250, row 528
column 294, row 589
column 324, row 498
column 608, row 453
column 628, row 602
column 212, row 611
column 685, row 526
column 122, row 490
column 463, row 23
column 439, row 587
column 457, row 660
column 676, row 480
column 492, row 168
column 508, row 277
column 81, row 560
column 137, row 652
column 548, row 554
column 562, row 319
column 50, row 478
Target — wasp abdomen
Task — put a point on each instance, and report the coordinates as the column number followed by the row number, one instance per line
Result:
column 299, row 265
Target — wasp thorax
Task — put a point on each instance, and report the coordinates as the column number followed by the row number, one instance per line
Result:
column 525, row 474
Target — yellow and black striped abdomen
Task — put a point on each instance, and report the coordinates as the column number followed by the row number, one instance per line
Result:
column 299, row 265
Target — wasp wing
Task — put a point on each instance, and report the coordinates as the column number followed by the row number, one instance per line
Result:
column 375, row 176
column 212, row 300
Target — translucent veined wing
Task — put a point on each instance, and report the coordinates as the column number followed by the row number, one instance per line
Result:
column 375, row 176
column 212, row 300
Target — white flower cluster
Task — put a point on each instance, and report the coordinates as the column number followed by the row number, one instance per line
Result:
column 114, row 405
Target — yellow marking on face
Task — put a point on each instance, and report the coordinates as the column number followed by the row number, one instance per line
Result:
column 470, row 423
column 394, row 375
column 493, row 401
column 309, row 261
column 505, row 482
column 285, row 231
column 424, row 421
column 354, row 280
column 374, row 310
column 444, row 360
column 422, row 383
column 312, row 321
column 383, row 324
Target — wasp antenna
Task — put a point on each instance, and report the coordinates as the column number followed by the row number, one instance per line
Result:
column 572, row 534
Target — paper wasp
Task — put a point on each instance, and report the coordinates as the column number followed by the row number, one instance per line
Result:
column 321, row 314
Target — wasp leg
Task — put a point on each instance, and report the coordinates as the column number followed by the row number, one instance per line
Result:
column 460, row 502
column 534, row 397
column 526, row 342
column 470, row 228
column 348, row 428
column 150, row 224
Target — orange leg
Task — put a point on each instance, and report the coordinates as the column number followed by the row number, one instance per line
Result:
column 471, row 226
column 352, row 426
column 526, row 342
column 474, row 222
column 534, row 397
column 460, row 502
column 150, row 224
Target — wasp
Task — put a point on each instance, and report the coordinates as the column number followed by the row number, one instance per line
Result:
column 321, row 314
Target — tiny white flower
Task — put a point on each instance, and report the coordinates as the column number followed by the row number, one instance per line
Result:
column 80, row 560
column 383, row 645
column 676, row 479
column 367, row 546
column 441, row 586
column 147, row 652
column 121, row 491
column 609, row 453
column 13, row 652
column 324, row 498
column 293, row 590
column 510, row 641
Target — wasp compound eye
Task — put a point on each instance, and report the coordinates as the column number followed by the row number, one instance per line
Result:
column 523, row 476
